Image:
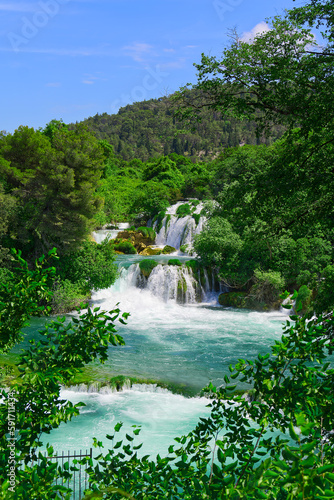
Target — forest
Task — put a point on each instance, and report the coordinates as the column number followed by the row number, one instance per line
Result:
column 253, row 140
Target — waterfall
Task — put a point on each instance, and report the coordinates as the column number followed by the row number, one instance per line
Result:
column 169, row 283
column 173, row 283
column 177, row 231
column 101, row 234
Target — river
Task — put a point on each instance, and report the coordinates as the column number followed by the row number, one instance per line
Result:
column 183, row 345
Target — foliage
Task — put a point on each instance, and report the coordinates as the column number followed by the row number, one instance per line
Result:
column 151, row 199
column 303, row 299
column 7, row 218
column 183, row 210
column 218, row 244
column 146, row 266
column 148, row 129
column 174, row 262
column 167, row 249
column 22, row 295
column 324, row 298
column 164, row 171
column 63, row 349
column 67, row 296
column 147, row 232
column 92, row 266
column 266, row 289
column 124, row 246
column 54, row 184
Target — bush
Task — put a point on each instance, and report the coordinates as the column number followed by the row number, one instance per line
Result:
column 193, row 264
column 324, row 301
column 174, row 262
column 92, row 265
column 147, row 232
column 125, row 247
column 146, row 266
column 183, row 210
column 266, row 289
column 303, row 299
column 67, row 296
column 168, row 249
column 159, row 218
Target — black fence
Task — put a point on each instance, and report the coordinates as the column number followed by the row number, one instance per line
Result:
column 79, row 481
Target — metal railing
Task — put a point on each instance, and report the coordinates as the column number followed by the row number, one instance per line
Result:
column 79, row 480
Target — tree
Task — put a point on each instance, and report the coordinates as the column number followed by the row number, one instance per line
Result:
column 32, row 405
column 54, row 181
column 281, row 77
column 164, row 171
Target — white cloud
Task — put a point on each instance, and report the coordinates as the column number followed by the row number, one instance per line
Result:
column 53, row 84
column 91, row 79
column 248, row 36
column 177, row 64
column 137, row 50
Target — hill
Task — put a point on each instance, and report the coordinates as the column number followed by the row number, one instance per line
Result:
column 149, row 129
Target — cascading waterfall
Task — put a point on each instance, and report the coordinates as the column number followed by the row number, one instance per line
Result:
column 177, row 231
column 173, row 283
column 170, row 283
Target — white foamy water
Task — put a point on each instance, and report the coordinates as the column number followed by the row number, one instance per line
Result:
column 102, row 234
column 161, row 415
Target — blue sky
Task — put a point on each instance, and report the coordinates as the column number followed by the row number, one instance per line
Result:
column 71, row 59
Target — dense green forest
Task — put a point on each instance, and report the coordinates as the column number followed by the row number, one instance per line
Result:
column 270, row 228
column 151, row 129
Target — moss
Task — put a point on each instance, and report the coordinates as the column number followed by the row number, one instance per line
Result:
column 151, row 251
column 159, row 218
column 168, row 219
column 124, row 246
column 181, row 290
column 146, row 266
column 174, row 262
column 168, row 249
column 193, row 264
column 183, row 210
column 233, row 299
column 147, row 232
column 196, row 217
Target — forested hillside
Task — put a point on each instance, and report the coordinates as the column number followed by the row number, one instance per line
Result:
column 149, row 129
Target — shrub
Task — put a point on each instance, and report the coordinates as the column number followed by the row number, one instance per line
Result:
column 174, row 262
column 193, row 264
column 168, row 249
column 146, row 266
column 159, row 218
column 266, row 289
column 125, row 247
column 67, row 296
column 147, row 232
column 196, row 217
column 303, row 299
column 183, row 210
